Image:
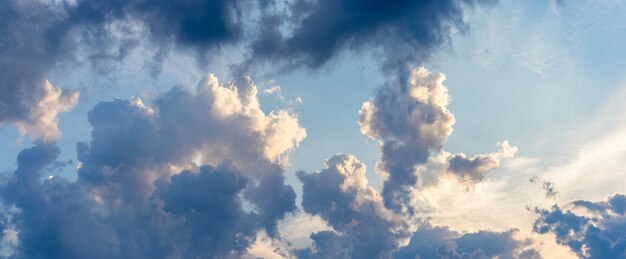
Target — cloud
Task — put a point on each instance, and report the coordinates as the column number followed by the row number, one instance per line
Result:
column 440, row 242
column 34, row 41
column 39, row 36
column 361, row 225
column 599, row 233
column 411, row 121
column 42, row 123
column 363, row 228
column 192, row 175
column 404, row 33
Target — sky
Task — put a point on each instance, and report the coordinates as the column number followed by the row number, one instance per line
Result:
column 312, row 129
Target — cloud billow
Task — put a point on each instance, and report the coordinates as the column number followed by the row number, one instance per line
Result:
column 410, row 121
column 362, row 227
column 404, row 33
column 440, row 242
column 39, row 36
column 598, row 233
column 140, row 192
column 202, row 174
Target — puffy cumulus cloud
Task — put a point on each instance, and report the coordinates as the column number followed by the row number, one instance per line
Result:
column 410, row 121
column 405, row 32
column 207, row 215
column 41, row 122
column 460, row 167
column 40, row 35
column 361, row 226
column 598, row 232
column 440, row 242
column 139, row 191
column 33, row 42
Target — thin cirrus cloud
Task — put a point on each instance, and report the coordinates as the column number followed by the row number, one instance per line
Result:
column 202, row 174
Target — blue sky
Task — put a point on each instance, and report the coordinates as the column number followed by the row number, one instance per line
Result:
column 546, row 76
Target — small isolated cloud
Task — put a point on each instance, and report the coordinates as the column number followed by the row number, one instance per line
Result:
column 467, row 170
column 548, row 187
column 599, row 233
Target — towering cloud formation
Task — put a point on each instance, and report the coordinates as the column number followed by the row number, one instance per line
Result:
column 132, row 200
column 410, row 121
column 598, row 233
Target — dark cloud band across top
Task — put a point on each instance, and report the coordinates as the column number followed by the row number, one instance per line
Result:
column 38, row 36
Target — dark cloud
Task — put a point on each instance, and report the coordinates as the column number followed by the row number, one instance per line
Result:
column 550, row 190
column 198, row 24
column 440, row 242
column 474, row 169
column 363, row 228
column 139, row 191
column 34, row 40
column 38, row 36
column 207, row 217
column 403, row 32
column 600, row 234
column 548, row 187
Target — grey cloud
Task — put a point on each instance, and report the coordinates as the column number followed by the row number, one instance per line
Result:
column 596, row 235
column 410, row 121
column 139, row 191
column 41, row 35
column 33, row 42
column 363, row 228
column 323, row 29
column 207, row 218
column 38, row 36
column 548, row 187
column 440, row 242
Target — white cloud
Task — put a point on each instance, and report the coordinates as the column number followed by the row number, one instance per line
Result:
column 42, row 122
